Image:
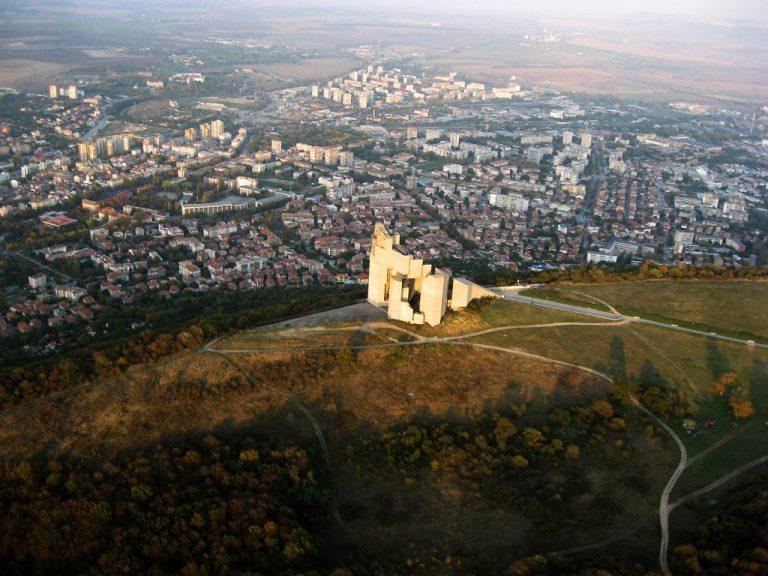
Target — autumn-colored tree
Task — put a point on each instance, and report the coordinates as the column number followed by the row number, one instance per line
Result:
column 533, row 437
column 572, row 452
column 519, row 461
column 603, row 408
column 504, row 431
column 725, row 383
column 741, row 408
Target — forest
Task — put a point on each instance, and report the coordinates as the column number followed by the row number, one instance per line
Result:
column 244, row 500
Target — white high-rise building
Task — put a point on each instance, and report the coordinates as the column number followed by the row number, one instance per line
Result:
column 586, row 140
column 217, row 128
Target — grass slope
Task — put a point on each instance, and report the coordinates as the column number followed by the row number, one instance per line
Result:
column 736, row 306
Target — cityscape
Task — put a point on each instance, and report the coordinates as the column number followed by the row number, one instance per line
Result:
column 510, row 178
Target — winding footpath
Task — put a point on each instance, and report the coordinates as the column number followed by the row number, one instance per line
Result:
column 664, row 507
column 720, row 481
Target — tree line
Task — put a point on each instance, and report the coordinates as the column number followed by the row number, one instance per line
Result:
column 182, row 324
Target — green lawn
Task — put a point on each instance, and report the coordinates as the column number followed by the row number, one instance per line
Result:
column 433, row 165
column 737, row 306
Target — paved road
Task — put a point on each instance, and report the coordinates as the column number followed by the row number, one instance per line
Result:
column 96, row 128
column 588, row 204
column 516, row 297
column 53, row 271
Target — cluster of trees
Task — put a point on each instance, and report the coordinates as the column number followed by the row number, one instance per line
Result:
column 14, row 109
column 236, row 504
column 557, row 565
column 730, row 539
column 515, row 455
column 734, row 395
column 190, row 321
column 23, row 231
column 14, row 272
column 647, row 271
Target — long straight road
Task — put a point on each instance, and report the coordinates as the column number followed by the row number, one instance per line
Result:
column 515, row 296
column 52, row 271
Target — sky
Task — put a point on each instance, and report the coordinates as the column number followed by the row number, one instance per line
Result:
column 749, row 10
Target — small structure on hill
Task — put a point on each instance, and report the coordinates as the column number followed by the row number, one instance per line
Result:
column 412, row 290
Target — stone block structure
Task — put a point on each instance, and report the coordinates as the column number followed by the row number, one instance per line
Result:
column 411, row 290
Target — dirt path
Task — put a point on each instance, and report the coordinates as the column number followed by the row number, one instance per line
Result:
column 664, row 508
column 720, row 481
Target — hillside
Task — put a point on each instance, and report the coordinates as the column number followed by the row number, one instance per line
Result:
column 344, row 443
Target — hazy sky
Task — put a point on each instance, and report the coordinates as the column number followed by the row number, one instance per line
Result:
column 708, row 9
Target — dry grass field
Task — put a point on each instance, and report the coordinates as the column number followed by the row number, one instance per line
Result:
column 276, row 339
column 29, row 73
column 193, row 391
column 147, row 110
column 621, row 61
column 316, row 69
column 736, row 305
column 358, row 398
column 493, row 314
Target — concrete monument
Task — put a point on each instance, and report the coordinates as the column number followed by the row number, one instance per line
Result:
column 413, row 291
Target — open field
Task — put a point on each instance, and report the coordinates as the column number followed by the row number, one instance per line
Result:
column 735, row 306
column 29, row 73
column 147, row 110
column 653, row 63
column 629, row 59
column 684, row 361
column 316, row 69
column 680, row 361
column 481, row 316
column 272, row 339
column 380, row 386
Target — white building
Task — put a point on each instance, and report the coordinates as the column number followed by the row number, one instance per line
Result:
column 453, row 169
